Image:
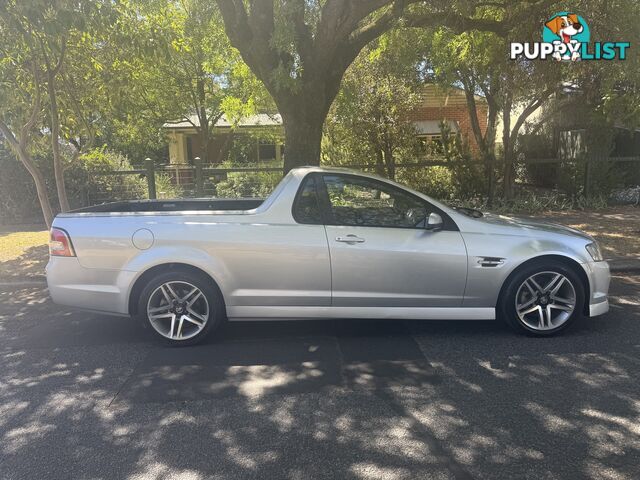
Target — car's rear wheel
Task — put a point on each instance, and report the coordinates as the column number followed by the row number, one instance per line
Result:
column 542, row 299
column 182, row 308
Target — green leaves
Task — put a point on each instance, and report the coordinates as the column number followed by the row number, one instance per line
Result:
column 370, row 117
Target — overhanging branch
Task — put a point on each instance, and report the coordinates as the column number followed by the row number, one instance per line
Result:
column 456, row 22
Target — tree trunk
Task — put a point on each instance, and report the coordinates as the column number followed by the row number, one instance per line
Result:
column 223, row 150
column 491, row 178
column 302, row 138
column 303, row 117
column 390, row 162
column 204, row 141
column 20, row 150
column 379, row 163
column 511, row 136
column 485, row 142
column 509, row 173
column 508, row 150
column 58, row 166
column 41, row 186
column 203, row 115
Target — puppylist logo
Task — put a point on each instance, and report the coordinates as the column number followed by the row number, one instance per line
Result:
column 566, row 37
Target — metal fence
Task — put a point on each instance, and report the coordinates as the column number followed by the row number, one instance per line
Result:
column 109, row 186
column 197, row 180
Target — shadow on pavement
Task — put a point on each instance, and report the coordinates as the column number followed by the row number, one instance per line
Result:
column 85, row 395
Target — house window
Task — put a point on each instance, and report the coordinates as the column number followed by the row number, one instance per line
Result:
column 431, row 144
column 266, row 151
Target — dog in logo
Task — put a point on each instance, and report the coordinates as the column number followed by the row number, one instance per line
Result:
column 565, row 27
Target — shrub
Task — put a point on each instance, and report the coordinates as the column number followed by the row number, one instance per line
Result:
column 18, row 198
column 92, row 175
column 529, row 202
column 468, row 179
column 90, row 179
column 165, row 188
column 247, row 185
column 437, row 182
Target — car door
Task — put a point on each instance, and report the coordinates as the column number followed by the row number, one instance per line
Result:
column 381, row 252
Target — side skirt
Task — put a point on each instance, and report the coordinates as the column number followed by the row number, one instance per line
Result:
column 253, row 313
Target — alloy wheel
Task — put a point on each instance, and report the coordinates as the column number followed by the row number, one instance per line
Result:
column 545, row 301
column 178, row 310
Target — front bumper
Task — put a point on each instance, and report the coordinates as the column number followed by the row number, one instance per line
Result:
column 596, row 309
column 599, row 278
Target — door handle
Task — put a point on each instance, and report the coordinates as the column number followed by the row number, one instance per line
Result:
column 351, row 239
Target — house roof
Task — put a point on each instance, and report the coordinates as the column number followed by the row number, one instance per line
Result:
column 432, row 127
column 259, row 120
column 435, row 95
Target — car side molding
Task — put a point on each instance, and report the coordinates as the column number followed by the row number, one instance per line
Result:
column 251, row 313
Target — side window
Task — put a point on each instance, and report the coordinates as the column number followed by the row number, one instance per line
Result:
column 368, row 203
column 306, row 208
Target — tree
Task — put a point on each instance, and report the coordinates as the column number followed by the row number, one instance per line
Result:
column 525, row 96
column 46, row 25
column 511, row 88
column 177, row 64
column 21, row 101
column 57, row 33
column 472, row 60
column 300, row 50
column 370, row 118
column 49, row 24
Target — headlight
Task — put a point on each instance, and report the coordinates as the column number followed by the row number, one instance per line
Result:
column 594, row 251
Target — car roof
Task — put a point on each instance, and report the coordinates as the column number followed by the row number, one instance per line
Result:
column 314, row 169
column 310, row 168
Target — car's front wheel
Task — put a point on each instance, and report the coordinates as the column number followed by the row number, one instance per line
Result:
column 182, row 307
column 542, row 299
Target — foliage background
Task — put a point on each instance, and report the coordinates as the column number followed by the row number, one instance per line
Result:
column 131, row 65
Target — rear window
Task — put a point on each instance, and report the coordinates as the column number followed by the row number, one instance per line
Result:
column 306, row 208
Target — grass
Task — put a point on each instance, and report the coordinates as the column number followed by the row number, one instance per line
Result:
column 23, row 251
column 15, row 244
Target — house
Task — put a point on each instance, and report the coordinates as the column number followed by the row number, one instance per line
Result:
column 450, row 106
column 255, row 138
column 575, row 129
column 259, row 138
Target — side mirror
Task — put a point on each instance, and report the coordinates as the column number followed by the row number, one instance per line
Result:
column 434, row 222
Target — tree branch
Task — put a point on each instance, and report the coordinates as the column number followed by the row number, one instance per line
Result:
column 78, row 111
column 361, row 36
column 303, row 38
column 366, row 33
column 529, row 109
column 456, row 22
column 9, row 136
column 35, row 109
column 63, row 48
column 236, row 20
column 469, row 92
column 250, row 36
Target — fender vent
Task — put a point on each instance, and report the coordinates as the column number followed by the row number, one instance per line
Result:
column 490, row 261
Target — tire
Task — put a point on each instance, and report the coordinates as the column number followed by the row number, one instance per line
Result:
column 182, row 308
column 529, row 305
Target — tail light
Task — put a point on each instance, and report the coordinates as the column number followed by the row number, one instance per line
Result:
column 60, row 244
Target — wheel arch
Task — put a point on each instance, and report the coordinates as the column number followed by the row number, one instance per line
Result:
column 148, row 274
column 566, row 261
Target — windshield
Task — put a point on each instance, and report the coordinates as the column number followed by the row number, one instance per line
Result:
column 469, row 212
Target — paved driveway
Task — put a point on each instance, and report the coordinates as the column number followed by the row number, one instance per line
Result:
column 89, row 396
